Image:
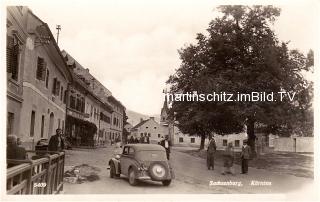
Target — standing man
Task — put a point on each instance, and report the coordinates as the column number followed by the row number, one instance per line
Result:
column 166, row 144
column 146, row 139
column 245, row 156
column 141, row 140
column 56, row 142
column 210, row 153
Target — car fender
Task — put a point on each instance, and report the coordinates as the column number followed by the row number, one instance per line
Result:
column 135, row 168
column 116, row 164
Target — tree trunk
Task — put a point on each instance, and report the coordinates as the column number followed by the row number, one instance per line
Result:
column 203, row 138
column 251, row 136
column 210, row 136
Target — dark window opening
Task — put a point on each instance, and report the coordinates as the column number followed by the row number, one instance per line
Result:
column 193, row 140
column 237, row 143
column 224, row 142
column 41, row 69
column 33, row 116
column 42, row 126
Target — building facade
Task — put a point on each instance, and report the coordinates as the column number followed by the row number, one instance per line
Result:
column 103, row 112
column 43, row 76
column 151, row 128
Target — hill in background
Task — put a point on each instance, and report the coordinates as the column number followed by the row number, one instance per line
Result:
column 134, row 117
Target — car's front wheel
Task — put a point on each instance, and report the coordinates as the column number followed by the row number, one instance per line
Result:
column 166, row 182
column 132, row 177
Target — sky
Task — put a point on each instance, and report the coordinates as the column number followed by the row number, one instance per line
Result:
column 131, row 46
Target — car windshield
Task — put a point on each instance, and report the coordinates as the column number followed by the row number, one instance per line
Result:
column 151, row 155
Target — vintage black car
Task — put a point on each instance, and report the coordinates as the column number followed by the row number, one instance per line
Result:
column 142, row 162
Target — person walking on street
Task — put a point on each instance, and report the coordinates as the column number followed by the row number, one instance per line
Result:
column 245, row 156
column 210, row 153
column 56, row 142
column 166, row 144
column 228, row 159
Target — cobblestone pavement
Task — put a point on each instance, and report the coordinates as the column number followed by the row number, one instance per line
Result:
column 192, row 177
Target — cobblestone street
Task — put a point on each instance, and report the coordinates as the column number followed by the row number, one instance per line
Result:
column 192, row 177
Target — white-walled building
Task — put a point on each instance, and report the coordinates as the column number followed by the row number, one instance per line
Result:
column 150, row 128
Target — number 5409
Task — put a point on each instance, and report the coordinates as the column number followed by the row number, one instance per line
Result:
column 42, row 184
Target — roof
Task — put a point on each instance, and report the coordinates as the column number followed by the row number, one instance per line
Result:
column 152, row 147
column 53, row 45
column 139, row 124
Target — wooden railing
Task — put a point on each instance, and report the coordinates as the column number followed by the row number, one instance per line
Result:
column 42, row 175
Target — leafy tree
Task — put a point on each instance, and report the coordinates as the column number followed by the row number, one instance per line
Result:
column 241, row 53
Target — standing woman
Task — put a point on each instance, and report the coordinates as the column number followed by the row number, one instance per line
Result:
column 228, row 159
column 210, row 153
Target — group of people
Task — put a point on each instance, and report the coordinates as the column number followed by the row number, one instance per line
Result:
column 228, row 157
column 144, row 139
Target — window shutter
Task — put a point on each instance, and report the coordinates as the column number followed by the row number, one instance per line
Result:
column 44, row 70
column 15, row 62
column 57, row 88
column 39, row 68
column 54, row 86
column 10, row 44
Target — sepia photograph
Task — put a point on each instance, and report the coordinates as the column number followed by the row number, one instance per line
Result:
column 155, row 99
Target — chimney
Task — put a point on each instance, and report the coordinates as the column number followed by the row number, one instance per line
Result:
column 87, row 69
column 152, row 117
column 141, row 119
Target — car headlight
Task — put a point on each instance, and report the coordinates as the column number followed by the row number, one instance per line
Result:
column 118, row 156
column 143, row 167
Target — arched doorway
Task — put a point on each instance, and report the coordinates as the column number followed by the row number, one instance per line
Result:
column 51, row 124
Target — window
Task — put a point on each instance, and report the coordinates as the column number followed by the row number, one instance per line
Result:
column 72, row 102
column 47, row 79
column 237, row 143
column 147, row 127
column 79, row 107
column 59, row 123
column 192, row 140
column 33, row 116
column 149, row 134
column 155, row 127
column 12, row 57
column 10, row 122
column 65, row 97
column 159, row 135
column 62, row 127
column 61, row 94
column 41, row 69
column 180, row 139
column 224, row 142
column 125, row 150
column 56, row 87
column 83, row 104
column 42, row 126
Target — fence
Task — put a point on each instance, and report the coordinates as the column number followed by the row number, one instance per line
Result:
column 42, row 175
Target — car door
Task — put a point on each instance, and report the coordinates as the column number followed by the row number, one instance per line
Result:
column 124, row 160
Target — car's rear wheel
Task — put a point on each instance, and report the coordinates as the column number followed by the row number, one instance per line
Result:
column 132, row 177
column 112, row 170
column 166, row 182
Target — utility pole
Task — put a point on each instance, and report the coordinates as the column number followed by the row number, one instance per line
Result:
column 58, row 27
